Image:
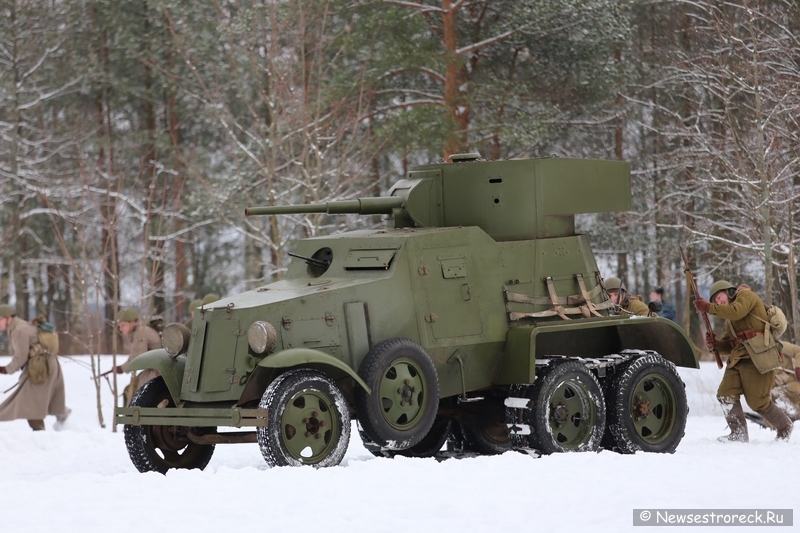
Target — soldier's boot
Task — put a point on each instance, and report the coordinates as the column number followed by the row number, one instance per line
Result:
column 778, row 419
column 734, row 415
column 60, row 419
column 36, row 425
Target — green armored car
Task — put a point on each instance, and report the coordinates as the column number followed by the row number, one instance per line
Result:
column 480, row 316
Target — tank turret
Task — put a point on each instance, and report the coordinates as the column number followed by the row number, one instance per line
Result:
column 509, row 200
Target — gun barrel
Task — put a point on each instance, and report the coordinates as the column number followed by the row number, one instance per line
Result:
column 382, row 205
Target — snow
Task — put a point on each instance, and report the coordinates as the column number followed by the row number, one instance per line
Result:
column 81, row 480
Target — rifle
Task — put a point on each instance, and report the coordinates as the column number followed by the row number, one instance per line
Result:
column 707, row 321
column 104, row 374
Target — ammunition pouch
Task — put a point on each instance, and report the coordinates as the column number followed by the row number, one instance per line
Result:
column 766, row 356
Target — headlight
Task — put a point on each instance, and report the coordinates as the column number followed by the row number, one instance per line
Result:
column 261, row 336
column 175, row 339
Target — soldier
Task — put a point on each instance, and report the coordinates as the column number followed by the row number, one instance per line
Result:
column 786, row 389
column 742, row 310
column 32, row 401
column 210, row 298
column 192, row 308
column 629, row 306
column 136, row 339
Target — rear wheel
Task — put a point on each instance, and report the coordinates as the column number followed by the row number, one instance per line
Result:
column 308, row 421
column 647, row 407
column 483, row 428
column 161, row 448
column 568, row 410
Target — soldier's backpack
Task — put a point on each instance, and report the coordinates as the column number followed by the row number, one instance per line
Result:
column 38, row 367
column 777, row 320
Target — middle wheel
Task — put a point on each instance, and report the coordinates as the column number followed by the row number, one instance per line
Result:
column 405, row 394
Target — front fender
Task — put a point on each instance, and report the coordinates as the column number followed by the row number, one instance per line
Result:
column 170, row 369
column 304, row 356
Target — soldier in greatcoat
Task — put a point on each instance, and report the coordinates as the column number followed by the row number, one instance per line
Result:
column 30, row 401
column 136, row 339
column 619, row 295
column 745, row 316
column 786, row 389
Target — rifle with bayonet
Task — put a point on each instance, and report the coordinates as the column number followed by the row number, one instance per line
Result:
column 707, row 321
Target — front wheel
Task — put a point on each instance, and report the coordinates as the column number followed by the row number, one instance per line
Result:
column 161, row 448
column 647, row 407
column 308, row 421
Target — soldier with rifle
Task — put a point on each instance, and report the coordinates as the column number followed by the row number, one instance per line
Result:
column 619, row 295
column 746, row 322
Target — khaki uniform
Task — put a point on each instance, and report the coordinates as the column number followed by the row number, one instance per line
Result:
column 142, row 339
column 741, row 375
column 29, row 401
column 786, row 389
column 636, row 307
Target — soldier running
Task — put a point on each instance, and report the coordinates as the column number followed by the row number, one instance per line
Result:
column 745, row 316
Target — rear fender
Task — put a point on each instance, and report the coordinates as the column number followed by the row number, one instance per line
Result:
column 170, row 369
column 296, row 357
column 597, row 338
column 591, row 338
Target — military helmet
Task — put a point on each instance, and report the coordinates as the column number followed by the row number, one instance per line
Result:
column 128, row 314
column 211, row 297
column 614, row 284
column 194, row 305
column 720, row 285
column 6, row 311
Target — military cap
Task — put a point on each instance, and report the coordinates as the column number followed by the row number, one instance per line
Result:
column 6, row 311
column 194, row 305
column 614, row 284
column 720, row 285
column 128, row 314
column 210, row 298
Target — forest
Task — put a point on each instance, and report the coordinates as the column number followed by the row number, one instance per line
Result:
column 134, row 133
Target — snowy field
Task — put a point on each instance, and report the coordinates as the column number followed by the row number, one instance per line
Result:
column 81, row 480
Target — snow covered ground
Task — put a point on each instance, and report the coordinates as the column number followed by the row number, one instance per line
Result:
column 81, row 480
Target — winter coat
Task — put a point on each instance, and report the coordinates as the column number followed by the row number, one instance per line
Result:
column 29, row 401
column 636, row 307
column 667, row 311
column 741, row 312
column 142, row 339
column 785, row 379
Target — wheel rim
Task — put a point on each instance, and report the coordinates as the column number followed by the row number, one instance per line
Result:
column 653, row 408
column 402, row 394
column 172, row 446
column 309, row 426
column 572, row 414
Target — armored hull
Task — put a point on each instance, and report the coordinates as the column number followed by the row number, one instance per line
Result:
column 437, row 328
